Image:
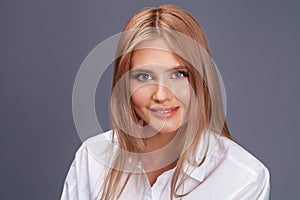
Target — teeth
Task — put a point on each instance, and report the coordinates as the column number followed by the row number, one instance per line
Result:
column 163, row 111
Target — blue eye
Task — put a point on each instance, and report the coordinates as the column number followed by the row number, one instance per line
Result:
column 179, row 74
column 143, row 77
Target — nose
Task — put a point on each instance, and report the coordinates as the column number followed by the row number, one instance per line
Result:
column 161, row 93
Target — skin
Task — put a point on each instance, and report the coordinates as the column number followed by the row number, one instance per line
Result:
column 159, row 79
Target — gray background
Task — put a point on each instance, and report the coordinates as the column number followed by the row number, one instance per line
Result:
column 254, row 43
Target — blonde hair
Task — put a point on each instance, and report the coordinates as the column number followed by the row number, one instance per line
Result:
column 147, row 24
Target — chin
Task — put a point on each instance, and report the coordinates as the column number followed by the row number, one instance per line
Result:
column 168, row 129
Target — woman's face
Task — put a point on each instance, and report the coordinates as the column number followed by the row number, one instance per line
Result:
column 160, row 90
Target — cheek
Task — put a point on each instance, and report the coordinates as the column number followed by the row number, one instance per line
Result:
column 182, row 92
column 140, row 98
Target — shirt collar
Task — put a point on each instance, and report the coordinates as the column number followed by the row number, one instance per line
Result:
column 208, row 146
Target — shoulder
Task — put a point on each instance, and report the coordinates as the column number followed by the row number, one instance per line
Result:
column 97, row 146
column 88, row 168
column 225, row 151
column 93, row 148
column 232, row 163
column 238, row 155
column 105, row 136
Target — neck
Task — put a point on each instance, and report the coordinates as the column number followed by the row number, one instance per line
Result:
column 159, row 141
column 163, row 151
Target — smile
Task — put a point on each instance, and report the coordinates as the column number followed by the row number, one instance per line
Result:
column 164, row 112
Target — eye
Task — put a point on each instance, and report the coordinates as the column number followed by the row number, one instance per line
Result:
column 179, row 74
column 143, row 77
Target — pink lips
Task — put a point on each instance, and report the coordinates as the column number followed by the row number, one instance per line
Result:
column 164, row 112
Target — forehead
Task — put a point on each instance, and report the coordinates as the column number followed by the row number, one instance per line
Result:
column 154, row 51
column 154, row 56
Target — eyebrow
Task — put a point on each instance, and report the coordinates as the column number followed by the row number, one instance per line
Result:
column 179, row 67
column 141, row 70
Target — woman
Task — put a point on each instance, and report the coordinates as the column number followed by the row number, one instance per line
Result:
column 169, row 139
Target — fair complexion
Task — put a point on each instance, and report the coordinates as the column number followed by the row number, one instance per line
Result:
column 160, row 96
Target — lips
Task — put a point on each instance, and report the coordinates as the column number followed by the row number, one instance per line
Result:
column 164, row 112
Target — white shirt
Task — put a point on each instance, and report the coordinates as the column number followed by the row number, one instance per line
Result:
column 228, row 173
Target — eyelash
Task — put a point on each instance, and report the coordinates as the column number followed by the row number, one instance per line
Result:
column 138, row 76
column 184, row 73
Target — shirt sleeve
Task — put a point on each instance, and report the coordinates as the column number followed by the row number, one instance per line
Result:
column 76, row 185
column 264, row 188
column 88, row 169
column 70, row 186
column 257, row 190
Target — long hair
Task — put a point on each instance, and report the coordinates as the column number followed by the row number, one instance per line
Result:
column 206, row 112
